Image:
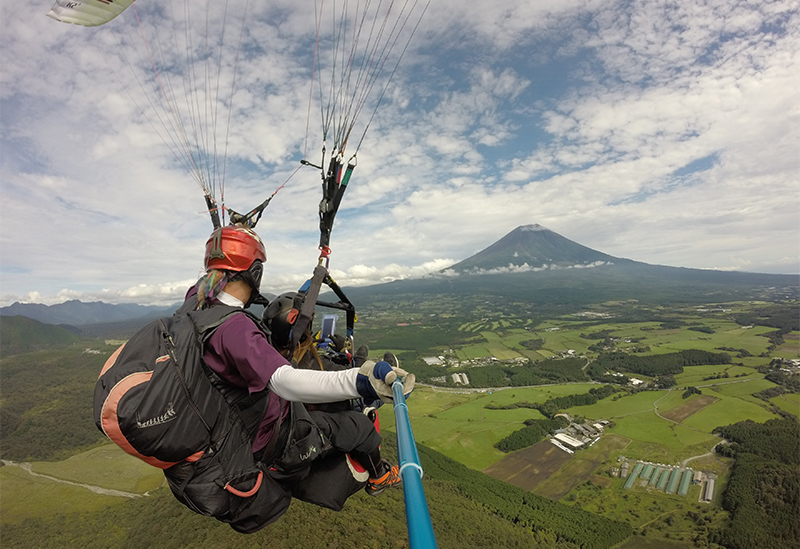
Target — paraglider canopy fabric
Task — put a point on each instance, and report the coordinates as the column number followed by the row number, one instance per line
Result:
column 88, row 13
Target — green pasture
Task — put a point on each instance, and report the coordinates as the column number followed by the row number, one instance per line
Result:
column 25, row 496
column 659, row 453
column 475, row 409
column 743, row 390
column 739, row 387
column 691, row 438
column 460, row 426
column 500, row 347
column 647, row 427
column 563, row 340
column 661, row 440
column 693, row 375
column 106, row 466
column 672, row 399
column 426, row 400
column 608, row 408
column 471, row 444
column 788, row 401
column 727, row 334
column 725, row 411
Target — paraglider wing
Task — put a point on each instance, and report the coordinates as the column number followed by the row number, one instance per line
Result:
column 88, row 13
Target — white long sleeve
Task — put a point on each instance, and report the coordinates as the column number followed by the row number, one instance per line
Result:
column 312, row 386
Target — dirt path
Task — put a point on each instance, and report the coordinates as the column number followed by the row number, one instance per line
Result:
column 96, row 489
column 687, row 460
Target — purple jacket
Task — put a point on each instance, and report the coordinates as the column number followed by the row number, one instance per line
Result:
column 240, row 353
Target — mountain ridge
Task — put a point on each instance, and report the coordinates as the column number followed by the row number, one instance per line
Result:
column 78, row 313
column 530, row 247
column 531, row 263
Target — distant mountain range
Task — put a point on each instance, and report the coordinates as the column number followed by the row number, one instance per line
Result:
column 531, row 263
column 536, row 265
column 78, row 313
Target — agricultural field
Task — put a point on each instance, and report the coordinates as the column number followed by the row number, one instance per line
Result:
column 529, row 467
column 789, row 402
column 699, row 375
column 501, row 348
column 725, row 411
column 790, row 348
column 106, row 466
column 581, row 467
column 458, row 424
column 25, row 496
column 709, row 328
column 693, row 404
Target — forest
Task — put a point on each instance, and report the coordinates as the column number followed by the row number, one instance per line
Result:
column 763, row 494
column 534, row 431
column 655, row 365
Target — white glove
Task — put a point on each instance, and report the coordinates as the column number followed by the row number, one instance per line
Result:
column 375, row 380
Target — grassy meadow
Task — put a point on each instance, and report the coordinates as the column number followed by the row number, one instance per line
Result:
column 106, row 466
column 24, row 496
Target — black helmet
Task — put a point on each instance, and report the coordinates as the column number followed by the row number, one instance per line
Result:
column 279, row 318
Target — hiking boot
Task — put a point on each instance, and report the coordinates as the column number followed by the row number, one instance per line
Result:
column 391, row 359
column 389, row 479
column 361, row 356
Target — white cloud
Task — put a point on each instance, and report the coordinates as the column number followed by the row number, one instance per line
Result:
column 581, row 115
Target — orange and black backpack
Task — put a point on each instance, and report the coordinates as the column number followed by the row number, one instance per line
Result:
column 157, row 399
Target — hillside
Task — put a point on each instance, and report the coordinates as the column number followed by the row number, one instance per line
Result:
column 19, row 334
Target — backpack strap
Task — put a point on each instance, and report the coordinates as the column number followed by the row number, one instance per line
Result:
column 249, row 408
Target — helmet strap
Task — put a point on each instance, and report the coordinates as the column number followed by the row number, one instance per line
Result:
column 252, row 276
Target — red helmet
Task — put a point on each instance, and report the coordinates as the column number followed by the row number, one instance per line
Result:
column 233, row 248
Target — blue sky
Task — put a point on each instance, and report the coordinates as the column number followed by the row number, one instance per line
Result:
column 667, row 133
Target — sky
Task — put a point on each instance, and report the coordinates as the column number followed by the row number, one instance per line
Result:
column 664, row 132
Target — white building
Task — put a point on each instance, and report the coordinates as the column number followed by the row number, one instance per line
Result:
column 568, row 441
column 460, row 379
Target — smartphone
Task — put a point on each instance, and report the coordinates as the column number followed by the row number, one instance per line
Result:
column 328, row 325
